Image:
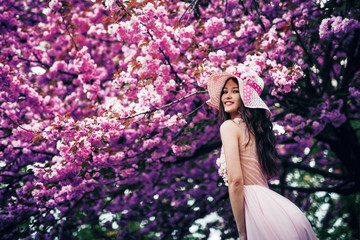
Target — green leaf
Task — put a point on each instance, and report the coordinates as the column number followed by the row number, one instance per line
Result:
column 293, row 37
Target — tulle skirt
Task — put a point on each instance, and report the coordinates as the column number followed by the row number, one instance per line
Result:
column 268, row 215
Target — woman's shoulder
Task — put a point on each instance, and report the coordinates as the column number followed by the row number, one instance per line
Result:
column 231, row 126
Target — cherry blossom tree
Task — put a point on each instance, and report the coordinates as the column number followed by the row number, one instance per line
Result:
column 105, row 134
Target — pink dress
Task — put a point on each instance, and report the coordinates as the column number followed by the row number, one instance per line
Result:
column 268, row 215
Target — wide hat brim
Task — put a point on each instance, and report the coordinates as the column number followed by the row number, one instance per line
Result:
column 216, row 83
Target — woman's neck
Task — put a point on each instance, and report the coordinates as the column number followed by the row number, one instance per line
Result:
column 235, row 115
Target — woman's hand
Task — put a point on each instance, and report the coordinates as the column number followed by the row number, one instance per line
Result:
column 242, row 236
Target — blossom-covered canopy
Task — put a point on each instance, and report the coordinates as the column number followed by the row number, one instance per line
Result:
column 104, row 131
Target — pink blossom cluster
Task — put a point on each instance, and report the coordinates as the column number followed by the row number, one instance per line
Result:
column 130, row 31
column 336, row 26
column 273, row 43
column 221, row 163
column 214, row 26
column 217, row 57
column 185, row 36
column 245, row 73
column 55, row 5
column 258, row 62
column 179, row 150
column 248, row 27
column 4, row 73
column 112, row 5
column 284, row 78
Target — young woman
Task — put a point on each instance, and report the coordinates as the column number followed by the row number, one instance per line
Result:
column 248, row 159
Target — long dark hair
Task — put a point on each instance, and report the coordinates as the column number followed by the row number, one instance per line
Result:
column 259, row 125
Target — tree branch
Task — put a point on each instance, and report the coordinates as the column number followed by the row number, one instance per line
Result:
column 17, row 124
column 302, row 43
column 336, row 189
column 226, row 5
column 48, row 66
column 178, row 79
column 200, row 151
column 336, row 176
column 258, row 15
column 36, row 151
column 16, row 176
column 67, row 29
column 189, row 121
column 193, row 4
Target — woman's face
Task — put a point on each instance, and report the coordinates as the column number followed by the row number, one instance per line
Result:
column 230, row 98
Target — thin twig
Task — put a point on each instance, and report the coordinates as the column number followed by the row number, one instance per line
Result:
column 67, row 29
column 195, row 110
column 258, row 15
column 302, row 44
column 6, row 136
column 192, row 9
column 189, row 120
column 36, row 151
column 48, row 66
column 39, row 61
column 106, row 40
column 187, row 10
column 15, row 176
column 226, row 5
column 164, row 106
column 17, row 124
column 178, row 79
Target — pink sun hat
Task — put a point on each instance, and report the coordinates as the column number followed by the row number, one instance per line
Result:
column 250, row 87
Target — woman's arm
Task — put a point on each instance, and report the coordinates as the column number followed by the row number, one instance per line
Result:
column 230, row 136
